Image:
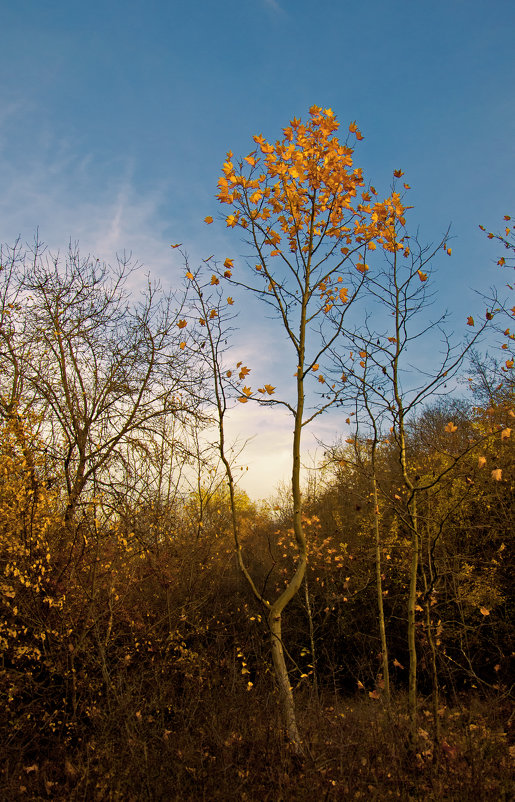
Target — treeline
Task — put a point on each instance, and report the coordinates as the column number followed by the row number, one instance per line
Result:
column 135, row 657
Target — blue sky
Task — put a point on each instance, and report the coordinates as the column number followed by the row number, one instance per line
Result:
column 115, row 117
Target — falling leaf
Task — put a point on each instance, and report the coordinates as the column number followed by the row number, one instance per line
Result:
column 208, row 219
column 451, row 428
column 397, row 664
column 422, row 276
column 497, row 474
column 177, row 245
column 470, row 320
column 361, row 687
column 374, row 694
column 484, row 611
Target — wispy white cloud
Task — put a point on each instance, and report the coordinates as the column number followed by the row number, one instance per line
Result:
column 274, row 6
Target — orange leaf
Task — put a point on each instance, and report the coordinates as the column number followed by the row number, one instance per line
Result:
column 497, row 474
column 208, row 219
column 189, row 275
column 229, row 263
column 230, row 301
column 505, row 434
column 470, row 320
column 315, row 366
column 213, row 314
column 242, row 399
column 451, row 428
column 422, row 276
column 481, row 462
column 178, row 245
column 181, row 324
column 398, row 173
column 214, row 279
column 484, row 611
column 269, row 389
column 182, row 346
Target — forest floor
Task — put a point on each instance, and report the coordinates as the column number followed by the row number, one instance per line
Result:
column 355, row 749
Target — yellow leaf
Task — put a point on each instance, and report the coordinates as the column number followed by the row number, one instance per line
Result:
column 244, row 372
column 505, row 434
column 497, row 474
column 182, row 346
column 189, row 275
column 213, row 314
column 451, row 428
column 343, row 295
column 214, row 279
column 229, row 263
column 315, row 366
column 484, row 611
column 481, row 462
column 246, row 391
column 230, row 301
column 422, row 276
column 269, row 389
column 242, row 399
column 208, row 219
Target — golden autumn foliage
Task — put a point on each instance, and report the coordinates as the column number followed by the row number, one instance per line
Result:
column 304, row 189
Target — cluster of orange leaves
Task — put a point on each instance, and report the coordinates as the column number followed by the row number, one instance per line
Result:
column 304, row 189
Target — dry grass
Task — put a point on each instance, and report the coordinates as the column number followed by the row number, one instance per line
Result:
column 221, row 743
